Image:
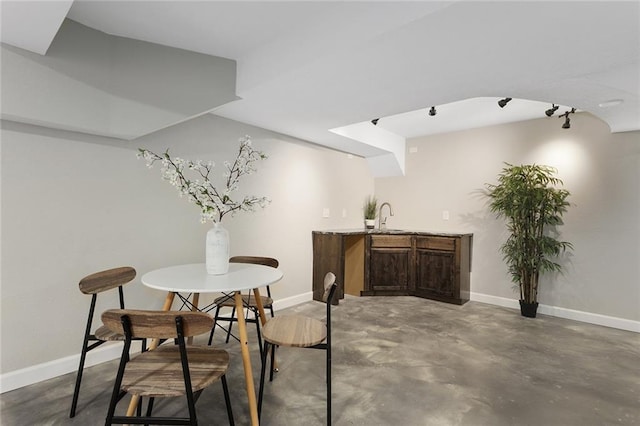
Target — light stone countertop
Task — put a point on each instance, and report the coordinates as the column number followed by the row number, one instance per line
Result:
column 376, row 231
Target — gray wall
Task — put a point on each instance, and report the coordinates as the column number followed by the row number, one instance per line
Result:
column 602, row 171
column 74, row 204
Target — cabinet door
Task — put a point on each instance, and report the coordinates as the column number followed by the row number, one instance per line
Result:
column 390, row 263
column 390, row 269
column 436, row 274
column 437, row 268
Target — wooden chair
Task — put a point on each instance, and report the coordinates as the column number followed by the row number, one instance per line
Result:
column 94, row 284
column 169, row 370
column 301, row 332
column 227, row 301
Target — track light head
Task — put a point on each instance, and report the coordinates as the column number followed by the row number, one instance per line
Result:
column 503, row 102
column 432, row 111
column 375, row 121
column 551, row 110
column 567, row 120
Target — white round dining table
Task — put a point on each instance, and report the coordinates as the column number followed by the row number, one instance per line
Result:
column 193, row 278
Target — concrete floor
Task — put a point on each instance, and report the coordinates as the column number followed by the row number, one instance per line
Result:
column 406, row 361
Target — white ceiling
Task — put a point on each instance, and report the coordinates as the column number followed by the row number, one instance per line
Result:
column 305, row 67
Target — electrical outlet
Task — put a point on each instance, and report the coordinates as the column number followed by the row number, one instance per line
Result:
column 445, row 214
column 344, row 212
column 326, row 212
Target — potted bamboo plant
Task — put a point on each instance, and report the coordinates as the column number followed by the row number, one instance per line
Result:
column 370, row 209
column 529, row 198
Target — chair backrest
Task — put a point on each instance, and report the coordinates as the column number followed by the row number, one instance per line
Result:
column 258, row 260
column 157, row 324
column 329, row 287
column 106, row 280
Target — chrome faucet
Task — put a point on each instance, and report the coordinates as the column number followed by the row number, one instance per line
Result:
column 383, row 220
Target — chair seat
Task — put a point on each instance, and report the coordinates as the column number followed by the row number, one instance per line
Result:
column 103, row 333
column 248, row 300
column 294, row 330
column 158, row 372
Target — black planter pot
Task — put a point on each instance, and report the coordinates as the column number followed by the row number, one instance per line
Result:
column 528, row 309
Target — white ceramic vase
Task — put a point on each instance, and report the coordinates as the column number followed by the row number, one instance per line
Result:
column 217, row 250
column 369, row 223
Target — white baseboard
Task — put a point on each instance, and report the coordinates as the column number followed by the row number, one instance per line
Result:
column 58, row 367
column 48, row 370
column 292, row 301
column 588, row 317
column 494, row 300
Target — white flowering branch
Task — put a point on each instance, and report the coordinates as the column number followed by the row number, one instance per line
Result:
column 214, row 204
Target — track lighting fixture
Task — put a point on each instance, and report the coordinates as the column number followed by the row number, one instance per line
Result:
column 503, row 102
column 432, row 111
column 551, row 110
column 567, row 120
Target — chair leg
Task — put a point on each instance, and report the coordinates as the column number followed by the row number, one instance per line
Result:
column 227, row 400
column 263, row 371
column 233, row 313
column 149, row 406
column 76, row 391
column 273, row 360
column 115, row 395
column 329, row 385
column 256, row 315
column 83, row 354
column 215, row 323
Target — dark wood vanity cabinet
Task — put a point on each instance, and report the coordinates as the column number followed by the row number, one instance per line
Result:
column 379, row 263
